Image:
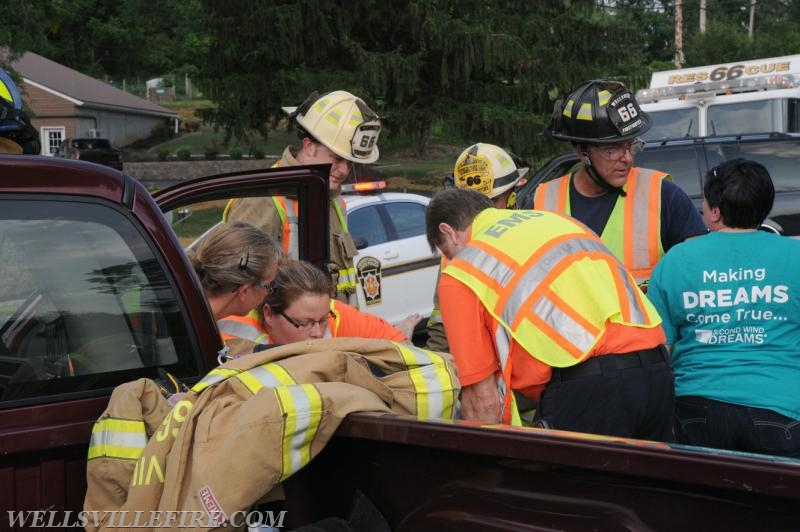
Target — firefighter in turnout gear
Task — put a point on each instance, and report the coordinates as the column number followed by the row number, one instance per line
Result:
column 336, row 128
column 533, row 302
column 639, row 213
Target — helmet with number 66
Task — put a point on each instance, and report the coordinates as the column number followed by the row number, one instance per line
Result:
column 598, row 112
column 342, row 122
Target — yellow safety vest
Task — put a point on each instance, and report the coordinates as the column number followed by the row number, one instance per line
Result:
column 551, row 284
column 633, row 231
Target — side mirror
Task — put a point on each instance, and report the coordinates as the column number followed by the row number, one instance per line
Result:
column 360, row 242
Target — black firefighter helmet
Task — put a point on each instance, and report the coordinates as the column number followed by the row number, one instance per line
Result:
column 598, row 112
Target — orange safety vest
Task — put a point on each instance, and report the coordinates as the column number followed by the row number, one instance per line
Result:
column 250, row 328
column 552, row 286
column 633, row 231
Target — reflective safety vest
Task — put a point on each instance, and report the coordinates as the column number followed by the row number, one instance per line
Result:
column 247, row 327
column 250, row 328
column 551, row 284
column 633, row 231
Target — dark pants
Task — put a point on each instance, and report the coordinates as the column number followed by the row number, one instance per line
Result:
column 701, row 421
column 630, row 395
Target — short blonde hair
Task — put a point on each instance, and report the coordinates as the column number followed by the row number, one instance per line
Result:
column 234, row 254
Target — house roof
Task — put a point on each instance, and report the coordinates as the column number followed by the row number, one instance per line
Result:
column 81, row 89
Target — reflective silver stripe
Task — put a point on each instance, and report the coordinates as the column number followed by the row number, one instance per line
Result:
column 213, row 377
column 503, row 343
column 291, row 219
column 570, row 330
column 640, row 203
column 302, row 405
column 240, row 330
column 435, row 390
column 488, row 264
column 550, row 191
column 637, row 312
column 269, row 375
column 117, row 438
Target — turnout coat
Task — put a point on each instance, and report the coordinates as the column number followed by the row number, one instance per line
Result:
column 248, row 425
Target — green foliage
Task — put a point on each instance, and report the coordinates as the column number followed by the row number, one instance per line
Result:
column 210, row 151
column 184, row 154
column 162, row 154
column 258, row 153
column 235, row 154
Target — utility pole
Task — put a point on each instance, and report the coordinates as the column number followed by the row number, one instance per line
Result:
column 678, row 33
column 702, row 16
column 752, row 18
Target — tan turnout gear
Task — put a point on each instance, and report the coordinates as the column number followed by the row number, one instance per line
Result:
column 342, row 122
column 249, row 424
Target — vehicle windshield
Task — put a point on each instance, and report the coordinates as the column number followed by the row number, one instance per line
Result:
column 740, row 118
column 673, row 124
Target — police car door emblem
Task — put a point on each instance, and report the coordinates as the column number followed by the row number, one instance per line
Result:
column 369, row 275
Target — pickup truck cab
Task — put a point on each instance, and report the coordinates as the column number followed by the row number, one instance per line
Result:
column 94, row 150
column 96, row 291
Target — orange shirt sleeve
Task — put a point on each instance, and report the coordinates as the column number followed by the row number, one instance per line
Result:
column 468, row 332
column 357, row 324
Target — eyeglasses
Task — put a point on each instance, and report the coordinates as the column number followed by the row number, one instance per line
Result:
column 307, row 325
column 617, row 152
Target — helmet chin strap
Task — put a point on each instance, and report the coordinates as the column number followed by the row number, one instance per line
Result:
column 596, row 177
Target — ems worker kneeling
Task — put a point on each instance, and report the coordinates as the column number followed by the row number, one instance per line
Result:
column 298, row 307
column 533, row 302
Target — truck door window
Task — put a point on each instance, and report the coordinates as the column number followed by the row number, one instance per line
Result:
column 793, row 115
column 84, row 303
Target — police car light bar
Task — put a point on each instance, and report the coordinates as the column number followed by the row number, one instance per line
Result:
column 366, row 186
column 728, row 86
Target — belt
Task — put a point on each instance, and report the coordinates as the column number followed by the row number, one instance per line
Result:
column 597, row 364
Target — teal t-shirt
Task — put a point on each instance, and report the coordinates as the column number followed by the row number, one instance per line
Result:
column 731, row 309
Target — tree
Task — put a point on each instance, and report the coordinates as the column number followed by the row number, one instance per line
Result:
column 484, row 70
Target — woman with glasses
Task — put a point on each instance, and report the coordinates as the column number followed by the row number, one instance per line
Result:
column 298, row 307
column 637, row 212
column 235, row 263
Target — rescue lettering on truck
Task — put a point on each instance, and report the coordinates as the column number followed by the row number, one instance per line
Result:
column 757, row 96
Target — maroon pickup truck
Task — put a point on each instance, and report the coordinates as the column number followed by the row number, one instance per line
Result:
column 96, row 291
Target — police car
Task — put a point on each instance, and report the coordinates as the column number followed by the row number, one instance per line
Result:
column 395, row 268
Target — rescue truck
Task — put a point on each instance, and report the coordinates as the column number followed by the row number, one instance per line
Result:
column 757, row 96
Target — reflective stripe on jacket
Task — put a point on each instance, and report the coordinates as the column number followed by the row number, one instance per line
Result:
column 550, row 283
column 633, row 231
column 347, row 274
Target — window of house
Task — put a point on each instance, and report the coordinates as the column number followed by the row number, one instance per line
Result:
column 51, row 139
